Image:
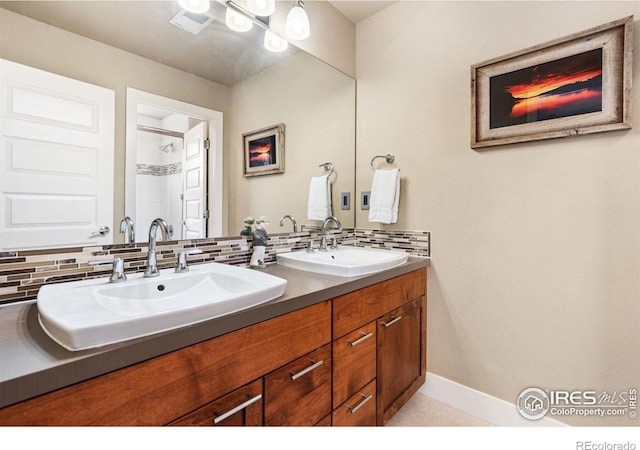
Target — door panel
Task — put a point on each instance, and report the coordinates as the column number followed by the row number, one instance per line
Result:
column 194, row 163
column 56, row 160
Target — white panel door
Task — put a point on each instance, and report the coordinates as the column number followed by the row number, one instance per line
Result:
column 194, row 179
column 56, row 160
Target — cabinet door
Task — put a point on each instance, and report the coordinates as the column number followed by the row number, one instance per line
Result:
column 242, row 407
column 354, row 362
column 300, row 392
column 401, row 357
column 359, row 410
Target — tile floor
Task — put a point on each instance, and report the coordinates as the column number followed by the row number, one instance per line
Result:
column 423, row 411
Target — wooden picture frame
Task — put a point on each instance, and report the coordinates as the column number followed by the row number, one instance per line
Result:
column 554, row 90
column 264, row 151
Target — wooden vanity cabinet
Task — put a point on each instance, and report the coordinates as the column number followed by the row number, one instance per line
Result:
column 352, row 360
column 168, row 387
column 395, row 312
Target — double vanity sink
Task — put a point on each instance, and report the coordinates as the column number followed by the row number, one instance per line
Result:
column 93, row 313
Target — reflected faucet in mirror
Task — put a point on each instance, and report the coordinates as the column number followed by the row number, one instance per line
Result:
column 293, row 221
column 323, row 237
column 127, row 228
column 152, row 260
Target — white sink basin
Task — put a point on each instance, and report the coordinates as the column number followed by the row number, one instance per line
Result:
column 346, row 261
column 93, row 313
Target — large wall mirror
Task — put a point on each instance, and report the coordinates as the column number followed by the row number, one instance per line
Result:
column 133, row 45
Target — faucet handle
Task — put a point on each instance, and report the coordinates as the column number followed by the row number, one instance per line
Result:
column 117, row 273
column 182, row 265
column 334, row 244
column 310, row 246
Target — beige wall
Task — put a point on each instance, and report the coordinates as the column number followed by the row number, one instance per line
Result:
column 317, row 105
column 535, row 276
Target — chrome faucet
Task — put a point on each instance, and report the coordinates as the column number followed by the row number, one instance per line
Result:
column 126, row 226
column 293, row 221
column 323, row 236
column 152, row 261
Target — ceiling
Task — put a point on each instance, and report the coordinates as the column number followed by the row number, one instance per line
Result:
column 357, row 11
column 142, row 28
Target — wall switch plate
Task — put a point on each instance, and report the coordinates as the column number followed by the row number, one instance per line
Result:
column 364, row 199
column 345, row 200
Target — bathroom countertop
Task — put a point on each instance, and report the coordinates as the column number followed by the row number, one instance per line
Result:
column 32, row 364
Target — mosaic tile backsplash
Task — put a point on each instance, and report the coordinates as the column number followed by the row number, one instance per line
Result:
column 22, row 273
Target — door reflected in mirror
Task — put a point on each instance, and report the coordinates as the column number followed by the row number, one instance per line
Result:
column 169, row 145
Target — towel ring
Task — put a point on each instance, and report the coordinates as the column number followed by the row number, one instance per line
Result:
column 388, row 157
column 328, row 167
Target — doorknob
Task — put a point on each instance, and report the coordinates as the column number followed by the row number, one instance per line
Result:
column 103, row 231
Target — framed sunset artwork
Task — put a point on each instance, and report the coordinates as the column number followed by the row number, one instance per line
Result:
column 264, row 151
column 576, row 85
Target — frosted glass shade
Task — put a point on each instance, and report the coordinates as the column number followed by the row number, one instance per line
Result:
column 237, row 22
column 262, row 8
column 297, row 25
column 274, row 43
column 194, row 6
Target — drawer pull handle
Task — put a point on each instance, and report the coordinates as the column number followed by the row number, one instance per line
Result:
column 394, row 320
column 364, row 337
column 354, row 409
column 315, row 365
column 231, row 412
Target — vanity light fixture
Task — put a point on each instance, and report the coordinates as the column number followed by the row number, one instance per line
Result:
column 297, row 24
column 237, row 21
column 274, row 43
column 263, row 21
column 263, row 8
column 195, row 6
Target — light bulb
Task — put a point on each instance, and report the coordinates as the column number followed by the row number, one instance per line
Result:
column 237, row 22
column 262, row 8
column 274, row 43
column 194, row 6
column 297, row 25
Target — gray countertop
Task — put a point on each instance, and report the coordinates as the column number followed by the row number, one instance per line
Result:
column 32, row 364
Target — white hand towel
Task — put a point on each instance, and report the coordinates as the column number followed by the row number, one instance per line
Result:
column 319, row 206
column 385, row 196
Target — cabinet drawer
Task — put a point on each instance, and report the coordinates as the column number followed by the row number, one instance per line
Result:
column 353, row 310
column 359, row 410
column 242, row 407
column 300, row 392
column 354, row 362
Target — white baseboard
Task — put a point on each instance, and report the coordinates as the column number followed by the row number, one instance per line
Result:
column 478, row 404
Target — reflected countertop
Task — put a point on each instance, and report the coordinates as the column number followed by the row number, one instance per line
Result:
column 33, row 364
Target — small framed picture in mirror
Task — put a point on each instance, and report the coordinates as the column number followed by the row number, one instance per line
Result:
column 264, row 151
